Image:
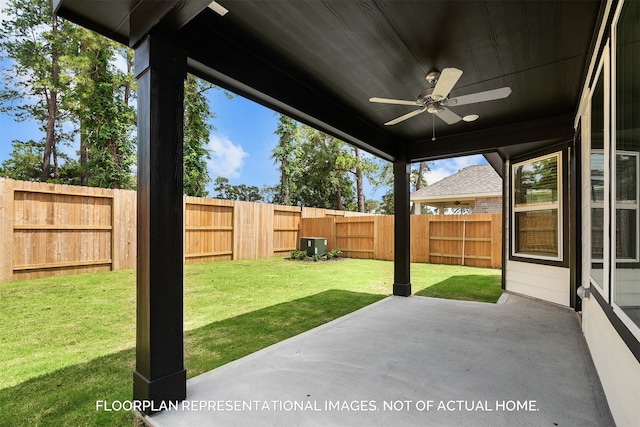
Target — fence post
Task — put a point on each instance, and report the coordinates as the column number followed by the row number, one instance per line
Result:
column 464, row 235
column 6, row 230
column 496, row 241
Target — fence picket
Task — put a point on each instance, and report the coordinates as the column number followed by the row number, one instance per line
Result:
column 53, row 229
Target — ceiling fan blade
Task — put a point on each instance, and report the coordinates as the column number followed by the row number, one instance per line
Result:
column 393, row 101
column 447, row 80
column 489, row 95
column 448, row 116
column 405, row 117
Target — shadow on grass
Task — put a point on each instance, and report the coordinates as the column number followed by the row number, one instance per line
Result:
column 472, row 287
column 67, row 397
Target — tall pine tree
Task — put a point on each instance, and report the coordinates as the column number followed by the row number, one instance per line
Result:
column 32, row 38
column 196, row 136
column 98, row 99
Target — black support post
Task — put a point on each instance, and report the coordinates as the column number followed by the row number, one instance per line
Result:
column 160, row 375
column 402, row 229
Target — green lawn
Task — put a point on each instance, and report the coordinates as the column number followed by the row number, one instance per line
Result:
column 67, row 342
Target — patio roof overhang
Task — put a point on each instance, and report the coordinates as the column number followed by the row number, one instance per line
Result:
column 320, row 62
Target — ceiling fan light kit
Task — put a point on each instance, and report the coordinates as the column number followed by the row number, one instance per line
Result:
column 435, row 99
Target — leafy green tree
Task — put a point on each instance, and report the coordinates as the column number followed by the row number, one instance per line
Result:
column 418, row 180
column 197, row 130
column 321, row 180
column 360, row 166
column 382, row 179
column 240, row 192
column 372, row 206
column 25, row 161
column 98, row 100
column 285, row 154
column 32, row 38
column 315, row 168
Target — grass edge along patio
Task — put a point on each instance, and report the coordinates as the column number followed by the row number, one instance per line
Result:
column 77, row 333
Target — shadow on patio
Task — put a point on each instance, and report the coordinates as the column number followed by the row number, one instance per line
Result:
column 411, row 361
column 69, row 396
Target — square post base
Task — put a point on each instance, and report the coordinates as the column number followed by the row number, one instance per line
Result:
column 402, row 289
column 159, row 392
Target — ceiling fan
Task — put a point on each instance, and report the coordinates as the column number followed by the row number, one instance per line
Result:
column 435, row 99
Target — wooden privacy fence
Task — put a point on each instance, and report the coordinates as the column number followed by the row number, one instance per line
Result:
column 49, row 229
column 474, row 240
column 52, row 229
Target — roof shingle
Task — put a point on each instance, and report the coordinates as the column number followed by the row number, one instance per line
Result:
column 476, row 180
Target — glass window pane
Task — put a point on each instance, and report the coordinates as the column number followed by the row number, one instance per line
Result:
column 536, row 182
column 597, row 176
column 597, row 234
column 626, row 234
column 626, row 178
column 627, row 146
column 597, row 168
column 537, row 232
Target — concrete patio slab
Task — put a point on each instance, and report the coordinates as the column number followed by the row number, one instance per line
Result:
column 411, row 361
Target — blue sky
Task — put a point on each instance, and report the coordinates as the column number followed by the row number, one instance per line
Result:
column 240, row 145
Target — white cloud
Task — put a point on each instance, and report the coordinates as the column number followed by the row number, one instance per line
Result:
column 226, row 158
column 443, row 168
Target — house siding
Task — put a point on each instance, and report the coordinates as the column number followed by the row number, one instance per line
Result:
column 613, row 344
column 543, row 282
column 618, row 369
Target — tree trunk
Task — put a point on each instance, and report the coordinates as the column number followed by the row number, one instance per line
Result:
column 127, row 87
column 338, row 197
column 359, row 184
column 52, row 107
column 284, row 184
column 422, row 169
column 84, row 173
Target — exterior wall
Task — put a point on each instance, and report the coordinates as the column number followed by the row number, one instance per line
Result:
column 545, row 282
column 614, row 350
column 488, row 205
column 618, row 369
column 538, row 281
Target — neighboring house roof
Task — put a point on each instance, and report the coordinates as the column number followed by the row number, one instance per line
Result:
column 469, row 183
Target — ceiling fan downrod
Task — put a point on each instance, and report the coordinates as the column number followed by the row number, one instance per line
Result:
column 433, row 124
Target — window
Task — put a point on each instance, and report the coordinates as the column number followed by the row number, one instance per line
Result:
column 536, row 208
column 626, row 170
column 599, row 178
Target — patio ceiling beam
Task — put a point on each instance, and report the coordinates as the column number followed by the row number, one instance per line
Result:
column 546, row 131
column 165, row 16
column 223, row 57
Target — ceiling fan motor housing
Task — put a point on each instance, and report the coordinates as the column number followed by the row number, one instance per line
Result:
column 425, row 96
column 433, row 76
column 425, row 99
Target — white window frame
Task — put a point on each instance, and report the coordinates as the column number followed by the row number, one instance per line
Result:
column 633, row 327
column 602, row 72
column 557, row 205
column 627, row 206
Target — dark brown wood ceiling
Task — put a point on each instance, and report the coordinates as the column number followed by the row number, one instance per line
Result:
column 320, row 61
